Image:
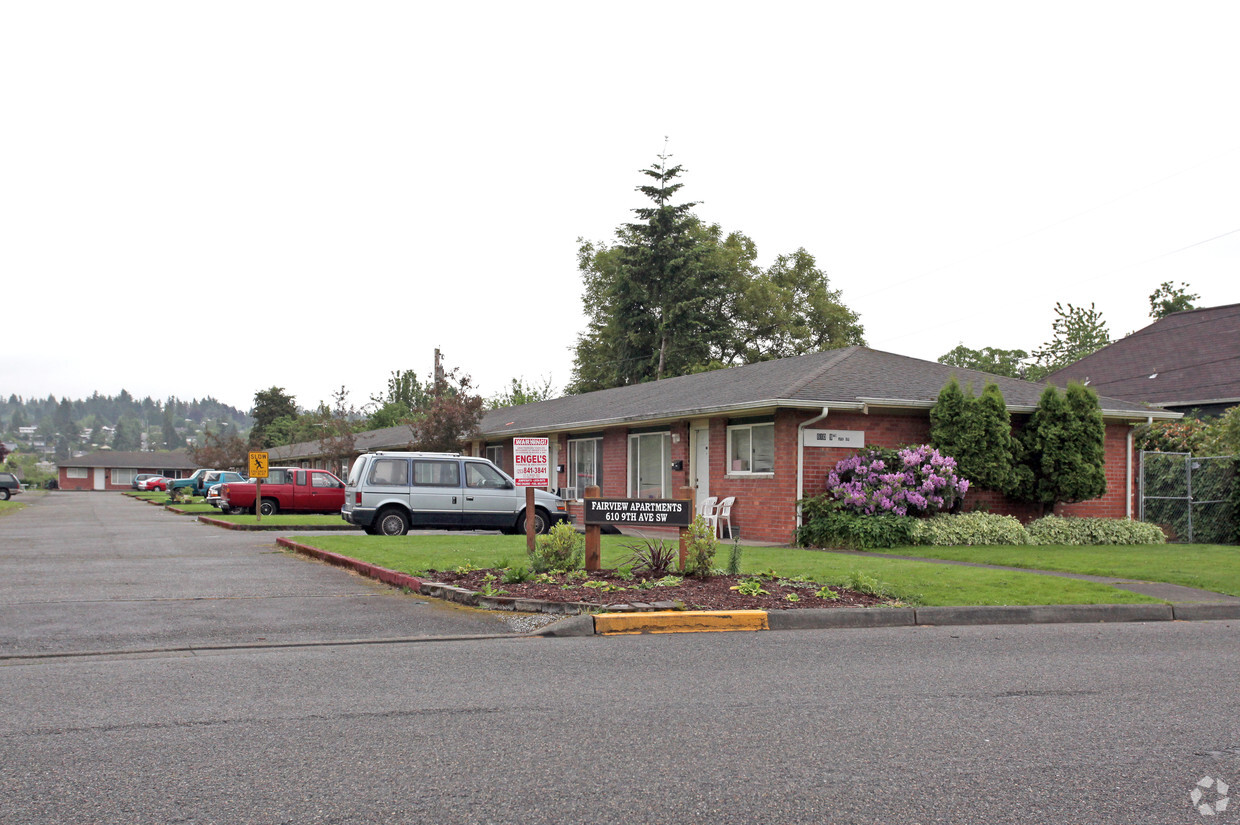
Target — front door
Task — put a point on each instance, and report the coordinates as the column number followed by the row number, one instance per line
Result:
column 101, row 478
column 701, row 464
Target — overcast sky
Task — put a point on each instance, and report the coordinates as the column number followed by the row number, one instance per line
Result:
column 213, row 198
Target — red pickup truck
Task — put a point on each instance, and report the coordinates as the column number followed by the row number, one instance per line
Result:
column 288, row 490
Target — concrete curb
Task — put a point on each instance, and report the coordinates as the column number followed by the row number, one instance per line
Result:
column 1044, row 614
column 299, row 528
column 1205, row 612
column 581, row 622
column 374, row 571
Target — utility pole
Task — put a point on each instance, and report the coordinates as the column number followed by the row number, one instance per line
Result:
column 438, row 372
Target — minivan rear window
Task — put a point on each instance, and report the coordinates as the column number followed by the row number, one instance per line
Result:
column 389, row 472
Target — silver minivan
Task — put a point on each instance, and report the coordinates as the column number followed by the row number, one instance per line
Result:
column 389, row 492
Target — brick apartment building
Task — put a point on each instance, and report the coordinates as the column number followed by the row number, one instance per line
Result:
column 768, row 433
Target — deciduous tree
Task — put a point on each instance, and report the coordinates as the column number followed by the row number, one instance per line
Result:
column 1008, row 362
column 271, row 405
column 1075, row 333
column 1168, row 299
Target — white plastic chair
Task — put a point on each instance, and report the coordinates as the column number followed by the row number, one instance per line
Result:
column 723, row 512
column 707, row 508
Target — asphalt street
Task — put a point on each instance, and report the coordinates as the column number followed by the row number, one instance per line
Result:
column 1113, row 723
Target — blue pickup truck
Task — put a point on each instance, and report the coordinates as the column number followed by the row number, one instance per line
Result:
column 201, row 480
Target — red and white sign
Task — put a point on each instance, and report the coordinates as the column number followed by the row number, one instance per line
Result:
column 530, row 462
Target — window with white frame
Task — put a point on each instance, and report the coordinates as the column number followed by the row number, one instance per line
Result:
column 495, row 454
column 75, row 472
column 751, row 448
column 585, row 465
column 649, row 454
column 120, row 476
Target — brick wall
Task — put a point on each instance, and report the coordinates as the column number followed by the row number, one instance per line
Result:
column 765, row 506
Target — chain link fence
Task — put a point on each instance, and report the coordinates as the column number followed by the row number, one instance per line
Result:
column 1189, row 496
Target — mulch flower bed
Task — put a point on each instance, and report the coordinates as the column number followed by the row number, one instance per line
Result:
column 714, row 593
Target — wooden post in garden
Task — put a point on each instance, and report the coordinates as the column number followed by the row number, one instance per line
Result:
column 594, row 536
column 689, row 494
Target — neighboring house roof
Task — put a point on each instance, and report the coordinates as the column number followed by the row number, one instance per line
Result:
column 1186, row 359
column 855, row 378
column 176, row 460
column 388, row 438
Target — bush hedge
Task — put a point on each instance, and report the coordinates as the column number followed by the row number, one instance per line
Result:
column 828, row 526
column 1089, row 531
column 970, row 529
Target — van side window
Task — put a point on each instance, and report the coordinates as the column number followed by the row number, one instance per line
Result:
column 437, row 473
column 390, row 472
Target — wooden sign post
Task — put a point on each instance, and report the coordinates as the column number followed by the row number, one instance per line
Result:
column 594, row 535
column 258, row 471
column 689, row 494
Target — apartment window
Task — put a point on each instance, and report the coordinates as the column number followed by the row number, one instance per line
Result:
column 495, row 455
column 123, row 476
column 649, row 454
column 751, row 448
column 585, row 465
column 75, row 472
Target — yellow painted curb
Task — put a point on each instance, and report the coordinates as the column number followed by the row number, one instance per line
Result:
column 679, row 621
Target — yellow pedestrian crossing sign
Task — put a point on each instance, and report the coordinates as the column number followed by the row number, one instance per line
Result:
column 258, row 465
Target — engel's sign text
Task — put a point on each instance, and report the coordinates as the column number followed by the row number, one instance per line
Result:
column 654, row 512
column 835, row 438
column 530, row 463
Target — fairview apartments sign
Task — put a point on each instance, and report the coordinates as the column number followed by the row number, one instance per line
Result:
column 651, row 512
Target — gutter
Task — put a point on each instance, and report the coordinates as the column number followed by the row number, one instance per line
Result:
column 801, row 459
column 677, row 415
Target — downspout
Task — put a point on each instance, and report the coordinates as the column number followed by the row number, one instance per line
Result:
column 801, row 459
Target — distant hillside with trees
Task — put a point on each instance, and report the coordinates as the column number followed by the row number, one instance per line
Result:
column 59, row 428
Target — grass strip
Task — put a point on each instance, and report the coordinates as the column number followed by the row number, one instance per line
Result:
column 922, row 583
column 1214, row 567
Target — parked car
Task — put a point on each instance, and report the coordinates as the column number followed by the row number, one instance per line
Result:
column 141, row 477
column 389, row 492
column 198, row 483
column 9, row 486
column 213, row 495
column 286, row 490
column 151, row 482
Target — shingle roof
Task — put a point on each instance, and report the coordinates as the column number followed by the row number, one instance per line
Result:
column 176, row 460
column 849, row 378
column 1187, row 358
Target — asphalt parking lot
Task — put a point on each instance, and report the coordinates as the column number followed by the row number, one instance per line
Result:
column 87, row 572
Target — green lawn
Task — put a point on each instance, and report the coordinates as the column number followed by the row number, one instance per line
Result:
column 914, row 582
column 10, row 506
column 1213, row 567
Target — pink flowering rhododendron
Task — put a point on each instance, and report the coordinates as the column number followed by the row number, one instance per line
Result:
column 914, row 481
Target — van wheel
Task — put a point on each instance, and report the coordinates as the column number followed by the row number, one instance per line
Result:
column 542, row 522
column 4, row 493
column 269, row 507
column 392, row 523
